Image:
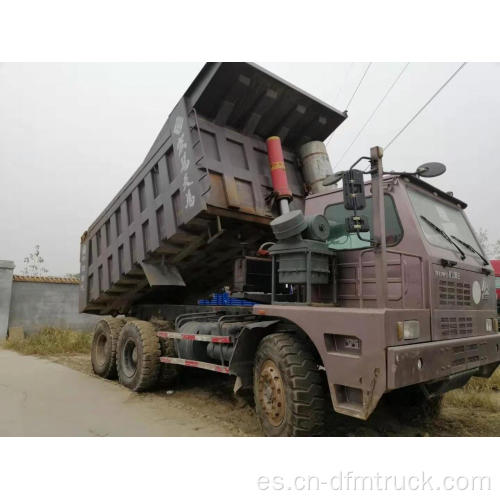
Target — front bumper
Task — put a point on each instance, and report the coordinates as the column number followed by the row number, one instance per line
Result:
column 417, row 363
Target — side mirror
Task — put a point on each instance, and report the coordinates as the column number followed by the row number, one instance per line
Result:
column 356, row 224
column 432, row 169
column 354, row 189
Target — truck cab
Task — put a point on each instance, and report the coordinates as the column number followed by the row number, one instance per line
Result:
column 426, row 291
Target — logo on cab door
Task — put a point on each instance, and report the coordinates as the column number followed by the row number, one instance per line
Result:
column 450, row 275
column 480, row 291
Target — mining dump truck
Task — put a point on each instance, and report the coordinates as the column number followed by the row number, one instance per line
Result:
column 234, row 248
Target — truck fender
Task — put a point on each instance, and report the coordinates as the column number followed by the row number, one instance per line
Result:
column 241, row 363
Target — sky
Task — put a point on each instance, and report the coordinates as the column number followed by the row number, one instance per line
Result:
column 71, row 134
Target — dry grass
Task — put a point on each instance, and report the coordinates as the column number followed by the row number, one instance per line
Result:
column 478, row 393
column 52, row 341
column 477, row 384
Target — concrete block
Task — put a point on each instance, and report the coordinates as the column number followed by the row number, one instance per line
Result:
column 16, row 333
column 6, row 271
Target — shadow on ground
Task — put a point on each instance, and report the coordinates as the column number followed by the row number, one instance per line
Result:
column 209, row 395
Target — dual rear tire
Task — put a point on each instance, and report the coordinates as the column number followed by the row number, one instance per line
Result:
column 130, row 351
column 104, row 346
column 138, row 360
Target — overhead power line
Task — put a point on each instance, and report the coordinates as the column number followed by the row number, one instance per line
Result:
column 341, row 88
column 342, row 85
column 354, row 93
column 426, row 104
column 359, row 85
column 384, row 97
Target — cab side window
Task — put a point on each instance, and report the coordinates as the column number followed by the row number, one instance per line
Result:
column 340, row 239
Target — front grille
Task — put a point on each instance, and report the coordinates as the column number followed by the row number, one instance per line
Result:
column 453, row 293
column 456, row 327
column 465, row 354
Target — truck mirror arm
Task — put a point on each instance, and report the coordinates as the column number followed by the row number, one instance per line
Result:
column 373, row 242
column 358, row 160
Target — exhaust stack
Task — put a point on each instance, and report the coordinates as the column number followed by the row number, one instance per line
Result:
column 278, row 173
column 316, row 166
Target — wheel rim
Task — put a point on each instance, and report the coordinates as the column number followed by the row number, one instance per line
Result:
column 102, row 349
column 130, row 358
column 271, row 393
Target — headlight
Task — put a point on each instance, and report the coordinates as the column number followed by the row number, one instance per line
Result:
column 408, row 330
column 491, row 325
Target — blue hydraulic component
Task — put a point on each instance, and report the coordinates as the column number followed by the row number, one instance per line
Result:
column 224, row 299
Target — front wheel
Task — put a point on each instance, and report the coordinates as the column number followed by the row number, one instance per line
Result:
column 289, row 389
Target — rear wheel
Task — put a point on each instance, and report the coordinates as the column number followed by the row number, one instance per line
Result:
column 289, row 390
column 138, row 356
column 103, row 352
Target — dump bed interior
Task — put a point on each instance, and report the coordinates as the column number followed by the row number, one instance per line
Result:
column 203, row 194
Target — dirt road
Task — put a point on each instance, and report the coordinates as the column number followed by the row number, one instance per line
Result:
column 60, row 396
column 42, row 398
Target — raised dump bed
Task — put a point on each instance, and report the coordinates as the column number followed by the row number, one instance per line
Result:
column 203, row 194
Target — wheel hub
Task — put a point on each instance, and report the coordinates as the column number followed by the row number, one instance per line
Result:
column 271, row 393
column 130, row 358
column 102, row 349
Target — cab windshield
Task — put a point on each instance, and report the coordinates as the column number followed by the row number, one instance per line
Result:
column 341, row 239
column 449, row 219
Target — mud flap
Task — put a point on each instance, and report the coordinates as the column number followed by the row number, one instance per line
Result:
column 241, row 362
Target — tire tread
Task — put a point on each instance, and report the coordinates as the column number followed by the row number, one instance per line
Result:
column 300, row 366
column 148, row 375
column 114, row 325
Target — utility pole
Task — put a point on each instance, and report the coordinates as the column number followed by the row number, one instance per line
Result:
column 378, row 213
